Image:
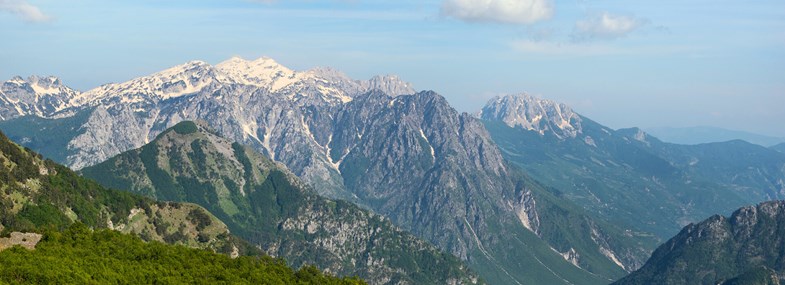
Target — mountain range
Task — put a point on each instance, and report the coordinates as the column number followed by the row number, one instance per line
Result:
column 627, row 176
column 527, row 191
column 705, row 134
column 411, row 158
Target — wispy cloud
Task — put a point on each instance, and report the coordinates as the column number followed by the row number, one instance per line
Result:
column 586, row 49
column 563, row 49
column 24, row 10
column 606, row 26
column 499, row 11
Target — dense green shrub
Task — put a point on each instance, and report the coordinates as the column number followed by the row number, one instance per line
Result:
column 81, row 256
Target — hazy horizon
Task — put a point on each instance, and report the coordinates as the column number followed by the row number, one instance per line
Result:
column 627, row 64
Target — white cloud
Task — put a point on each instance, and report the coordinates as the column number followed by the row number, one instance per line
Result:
column 24, row 10
column 605, row 26
column 499, row 11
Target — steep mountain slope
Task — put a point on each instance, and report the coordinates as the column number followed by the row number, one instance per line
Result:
column 413, row 158
column 37, row 194
column 435, row 171
column 269, row 206
column 749, row 245
column 628, row 177
column 119, row 171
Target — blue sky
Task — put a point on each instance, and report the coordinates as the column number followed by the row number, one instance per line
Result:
column 622, row 63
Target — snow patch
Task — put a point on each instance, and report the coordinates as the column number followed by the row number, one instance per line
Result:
column 249, row 130
column 307, row 129
column 327, row 150
column 268, row 133
column 44, row 90
column 433, row 153
column 17, row 81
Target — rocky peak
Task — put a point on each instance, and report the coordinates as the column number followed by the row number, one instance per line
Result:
column 637, row 134
column 17, row 80
column 49, row 82
column 390, row 84
column 38, row 85
column 184, row 79
column 534, row 114
column 262, row 72
column 42, row 96
column 719, row 248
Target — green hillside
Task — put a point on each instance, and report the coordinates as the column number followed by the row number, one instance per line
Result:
column 37, row 194
column 79, row 255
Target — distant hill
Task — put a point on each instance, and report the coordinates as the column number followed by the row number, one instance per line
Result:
column 779, row 147
column 704, row 134
column 746, row 248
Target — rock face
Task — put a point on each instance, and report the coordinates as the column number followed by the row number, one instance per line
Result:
column 409, row 157
column 265, row 203
column 416, row 161
column 749, row 245
column 40, row 96
column 533, row 114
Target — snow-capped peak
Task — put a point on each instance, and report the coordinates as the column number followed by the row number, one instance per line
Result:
column 37, row 95
column 17, row 80
column 390, row 84
column 263, row 72
column 188, row 78
column 317, row 86
column 533, row 114
column 37, row 86
column 191, row 68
